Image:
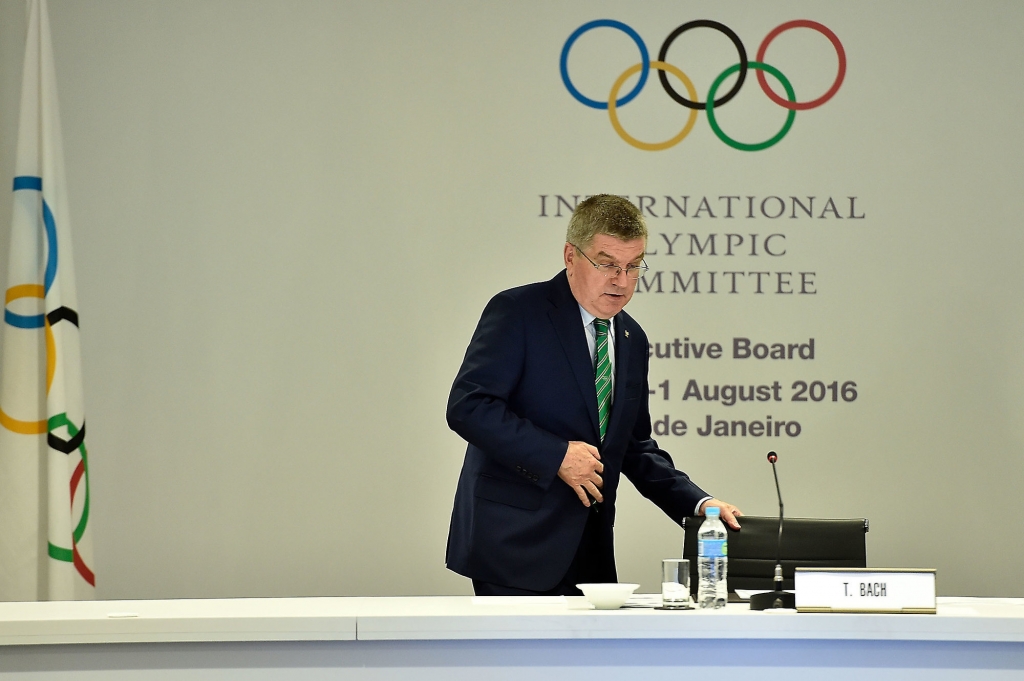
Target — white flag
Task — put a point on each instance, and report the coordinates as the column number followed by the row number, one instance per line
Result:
column 45, row 532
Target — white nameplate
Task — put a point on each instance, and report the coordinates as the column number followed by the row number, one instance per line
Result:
column 865, row 590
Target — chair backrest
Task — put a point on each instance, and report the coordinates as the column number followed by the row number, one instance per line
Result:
column 806, row 542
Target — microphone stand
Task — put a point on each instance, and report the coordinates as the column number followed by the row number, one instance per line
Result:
column 771, row 600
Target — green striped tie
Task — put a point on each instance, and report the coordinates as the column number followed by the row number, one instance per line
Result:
column 603, row 375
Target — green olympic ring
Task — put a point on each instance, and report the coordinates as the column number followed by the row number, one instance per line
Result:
column 790, row 117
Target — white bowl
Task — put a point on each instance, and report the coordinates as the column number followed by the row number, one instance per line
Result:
column 607, row 596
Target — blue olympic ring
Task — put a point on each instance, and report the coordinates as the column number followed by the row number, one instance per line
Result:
column 645, row 60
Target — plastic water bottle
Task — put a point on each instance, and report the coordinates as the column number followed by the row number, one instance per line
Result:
column 712, row 561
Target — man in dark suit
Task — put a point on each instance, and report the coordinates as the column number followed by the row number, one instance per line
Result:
column 552, row 398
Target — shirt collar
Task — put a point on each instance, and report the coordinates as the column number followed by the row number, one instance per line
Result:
column 588, row 318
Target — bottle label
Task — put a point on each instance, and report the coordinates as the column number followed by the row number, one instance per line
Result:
column 712, row 548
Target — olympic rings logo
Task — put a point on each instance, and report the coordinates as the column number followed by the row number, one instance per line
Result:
column 713, row 101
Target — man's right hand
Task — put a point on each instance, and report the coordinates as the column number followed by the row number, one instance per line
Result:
column 581, row 469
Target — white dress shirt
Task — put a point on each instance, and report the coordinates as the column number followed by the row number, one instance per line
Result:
column 588, row 326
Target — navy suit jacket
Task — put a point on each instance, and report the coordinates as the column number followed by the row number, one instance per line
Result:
column 525, row 389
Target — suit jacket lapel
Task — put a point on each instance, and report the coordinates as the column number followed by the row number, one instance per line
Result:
column 568, row 323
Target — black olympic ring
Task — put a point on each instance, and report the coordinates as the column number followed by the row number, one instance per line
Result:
column 729, row 33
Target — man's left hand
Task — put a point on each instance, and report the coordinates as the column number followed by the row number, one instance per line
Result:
column 728, row 512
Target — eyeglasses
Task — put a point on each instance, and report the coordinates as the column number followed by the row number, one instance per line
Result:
column 611, row 271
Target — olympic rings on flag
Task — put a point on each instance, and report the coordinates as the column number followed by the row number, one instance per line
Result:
column 613, row 102
column 79, row 481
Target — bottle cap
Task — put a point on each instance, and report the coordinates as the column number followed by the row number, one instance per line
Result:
column 712, row 511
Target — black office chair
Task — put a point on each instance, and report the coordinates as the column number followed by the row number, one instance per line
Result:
column 806, row 542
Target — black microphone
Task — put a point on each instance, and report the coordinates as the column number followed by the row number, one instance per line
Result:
column 772, row 458
column 778, row 598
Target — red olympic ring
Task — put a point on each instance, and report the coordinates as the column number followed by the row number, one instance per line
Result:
column 825, row 31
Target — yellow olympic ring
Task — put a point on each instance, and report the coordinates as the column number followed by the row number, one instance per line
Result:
column 6, row 420
column 36, row 291
column 652, row 146
column 25, row 291
column 22, row 427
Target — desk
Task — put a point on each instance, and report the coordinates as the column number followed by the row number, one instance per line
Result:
column 452, row 638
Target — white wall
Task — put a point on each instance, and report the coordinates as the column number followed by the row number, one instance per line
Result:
column 288, row 216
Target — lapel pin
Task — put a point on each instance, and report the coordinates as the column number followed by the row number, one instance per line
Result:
column 626, row 333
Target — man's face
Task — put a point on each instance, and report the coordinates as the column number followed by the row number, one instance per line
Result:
column 599, row 295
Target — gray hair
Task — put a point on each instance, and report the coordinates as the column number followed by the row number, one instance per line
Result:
column 605, row 214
